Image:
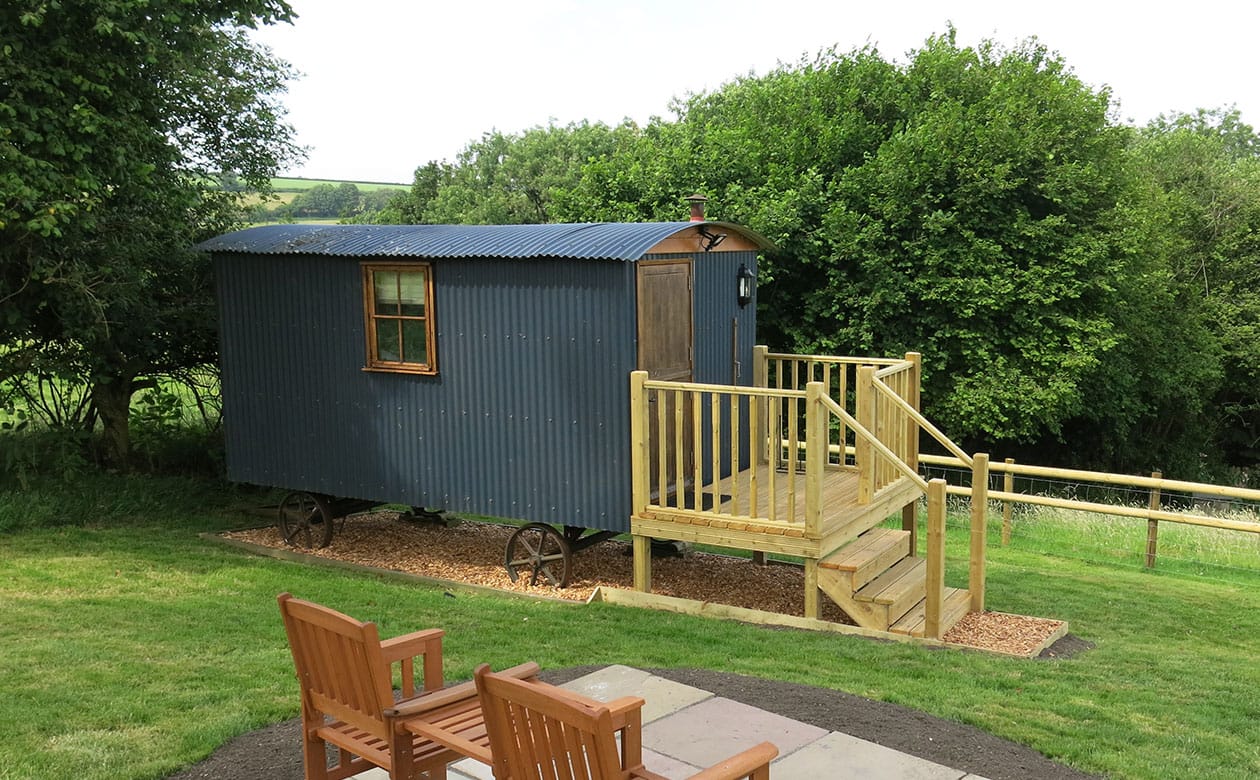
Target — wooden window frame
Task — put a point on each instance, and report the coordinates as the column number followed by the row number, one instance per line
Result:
column 371, row 319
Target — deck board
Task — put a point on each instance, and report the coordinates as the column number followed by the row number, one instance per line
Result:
column 839, row 493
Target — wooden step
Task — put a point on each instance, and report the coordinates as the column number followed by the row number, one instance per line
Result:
column 898, row 588
column 869, row 555
column 956, row 605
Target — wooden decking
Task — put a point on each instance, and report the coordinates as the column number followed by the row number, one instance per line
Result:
column 736, row 521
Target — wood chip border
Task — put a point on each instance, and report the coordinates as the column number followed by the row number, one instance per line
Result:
column 470, row 553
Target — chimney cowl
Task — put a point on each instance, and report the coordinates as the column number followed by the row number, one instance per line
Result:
column 697, row 202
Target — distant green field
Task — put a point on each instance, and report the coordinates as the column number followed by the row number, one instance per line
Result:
column 285, row 184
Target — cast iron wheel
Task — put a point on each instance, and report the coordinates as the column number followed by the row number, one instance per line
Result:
column 541, row 551
column 305, row 520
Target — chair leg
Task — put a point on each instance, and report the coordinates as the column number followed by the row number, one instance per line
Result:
column 401, row 757
column 314, row 757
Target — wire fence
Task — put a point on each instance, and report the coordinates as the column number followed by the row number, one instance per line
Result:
column 1166, row 546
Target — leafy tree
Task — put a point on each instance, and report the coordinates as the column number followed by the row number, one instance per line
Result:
column 1203, row 171
column 324, row 201
column 116, row 117
column 508, row 178
column 961, row 205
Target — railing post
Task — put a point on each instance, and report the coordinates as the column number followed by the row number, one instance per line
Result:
column 864, row 453
column 912, row 428
column 1008, row 486
column 639, row 478
column 935, row 576
column 979, row 528
column 910, row 512
column 815, row 454
column 1152, row 525
column 639, row 463
column 760, row 425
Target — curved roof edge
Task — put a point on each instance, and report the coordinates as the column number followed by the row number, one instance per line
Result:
column 592, row 241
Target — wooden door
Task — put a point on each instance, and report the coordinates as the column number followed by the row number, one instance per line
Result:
column 665, row 353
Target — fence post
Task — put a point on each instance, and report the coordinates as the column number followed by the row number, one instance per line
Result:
column 979, row 528
column 934, row 582
column 864, row 453
column 1008, row 486
column 1152, row 525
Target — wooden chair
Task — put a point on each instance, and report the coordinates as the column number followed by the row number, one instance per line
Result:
column 541, row 732
column 345, row 674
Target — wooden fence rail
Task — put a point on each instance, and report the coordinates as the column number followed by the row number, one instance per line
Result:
column 1155, row 486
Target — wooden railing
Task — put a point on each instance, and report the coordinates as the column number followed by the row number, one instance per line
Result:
column 695, row 446
column 882, row 394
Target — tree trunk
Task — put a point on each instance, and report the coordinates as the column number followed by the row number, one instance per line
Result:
column 113, row 403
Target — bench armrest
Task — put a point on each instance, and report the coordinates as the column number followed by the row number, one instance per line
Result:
column 427, row 702
column 741, row 765
column 405, row 649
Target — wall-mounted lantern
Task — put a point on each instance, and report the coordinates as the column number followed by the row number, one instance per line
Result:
column 744, row 279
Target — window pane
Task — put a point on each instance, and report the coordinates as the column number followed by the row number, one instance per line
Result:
column 386, row 283
column 412, row 293
column 387, row 340
column 415, row 350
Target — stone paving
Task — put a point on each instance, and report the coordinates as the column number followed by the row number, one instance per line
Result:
column 686, row 729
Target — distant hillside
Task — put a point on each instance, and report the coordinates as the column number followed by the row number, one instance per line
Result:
column 294, row 184
column 321, row 200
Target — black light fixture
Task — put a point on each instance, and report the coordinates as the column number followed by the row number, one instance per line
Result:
column 744, row 279
column 709, row 239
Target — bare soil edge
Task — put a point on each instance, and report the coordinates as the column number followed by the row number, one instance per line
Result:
column 274, row 752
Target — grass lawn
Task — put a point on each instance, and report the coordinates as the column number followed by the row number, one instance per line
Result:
column 132, row 647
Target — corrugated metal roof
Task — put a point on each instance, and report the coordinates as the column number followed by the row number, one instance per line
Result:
column 588, row 241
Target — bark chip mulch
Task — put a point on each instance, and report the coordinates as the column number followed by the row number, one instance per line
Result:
column 472, row 552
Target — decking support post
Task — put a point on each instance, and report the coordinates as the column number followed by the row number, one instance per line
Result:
column 934, row 580
column 1152, row 525
column 811, row 588
column 863, row 452
column 642, row 563
column 815, row 454
column 1008, row 486
column 760, row 426
column 979, row 528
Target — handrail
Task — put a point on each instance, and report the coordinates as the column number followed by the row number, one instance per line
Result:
column 903, row 365
column 851, row 361
column 694, row 387
column 879, row 446
column 925, row 424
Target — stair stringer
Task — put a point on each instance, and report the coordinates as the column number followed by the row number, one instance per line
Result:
column 838, row 587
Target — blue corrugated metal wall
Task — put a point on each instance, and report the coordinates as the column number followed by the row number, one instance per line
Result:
column 527, row 418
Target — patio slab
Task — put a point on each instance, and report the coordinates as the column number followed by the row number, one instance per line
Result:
column 717, row 728
column 687, row 728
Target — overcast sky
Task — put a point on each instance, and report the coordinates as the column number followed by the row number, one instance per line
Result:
column 389, row 85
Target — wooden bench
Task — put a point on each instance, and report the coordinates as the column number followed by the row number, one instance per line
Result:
column 541, row 732
column 345, row 673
